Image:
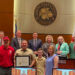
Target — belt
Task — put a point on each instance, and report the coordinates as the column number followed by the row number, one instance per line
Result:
column 6, row 67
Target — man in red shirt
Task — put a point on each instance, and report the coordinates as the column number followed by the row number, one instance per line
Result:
column 6, row 57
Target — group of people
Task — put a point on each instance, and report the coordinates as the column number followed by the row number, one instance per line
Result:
column 43, row 56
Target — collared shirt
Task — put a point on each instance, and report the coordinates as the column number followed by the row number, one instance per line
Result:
column 72, row 51
column 35, row 42
column 28, row 52
column 1, row 42
column 6, row 56
column 40, row 65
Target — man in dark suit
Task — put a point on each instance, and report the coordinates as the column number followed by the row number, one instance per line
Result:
column 35, row 43
column 16, row 42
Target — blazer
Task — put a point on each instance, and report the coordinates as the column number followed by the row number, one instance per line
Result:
column 31, row 46
column 64, row 48
column 15, row 44
column 46, row 45
column 72, row 51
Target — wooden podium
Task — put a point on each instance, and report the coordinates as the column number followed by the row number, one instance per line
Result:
column 23, row 71
column 67, row 64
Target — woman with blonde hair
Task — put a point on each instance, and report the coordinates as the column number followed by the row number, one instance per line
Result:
column 62, row 48
column 51, row 61
column 49, row 41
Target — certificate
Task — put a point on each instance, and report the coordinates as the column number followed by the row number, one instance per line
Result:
column 22, row 61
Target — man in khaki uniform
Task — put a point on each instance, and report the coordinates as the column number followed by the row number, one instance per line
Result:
column 25, row 51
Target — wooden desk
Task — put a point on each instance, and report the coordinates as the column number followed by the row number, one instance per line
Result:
column 70, row 64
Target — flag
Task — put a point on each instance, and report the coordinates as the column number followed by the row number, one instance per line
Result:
column 73, row 34
column 15, row 27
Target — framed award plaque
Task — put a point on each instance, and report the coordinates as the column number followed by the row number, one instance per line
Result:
column 22, row 61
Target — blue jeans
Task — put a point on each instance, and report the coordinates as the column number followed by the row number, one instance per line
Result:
column 5, row 71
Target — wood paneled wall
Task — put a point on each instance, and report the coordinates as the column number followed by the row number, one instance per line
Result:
column 6, row 17
column 67, row 37
column 70, row 64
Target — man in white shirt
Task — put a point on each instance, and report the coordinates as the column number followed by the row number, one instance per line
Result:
column 16, row 42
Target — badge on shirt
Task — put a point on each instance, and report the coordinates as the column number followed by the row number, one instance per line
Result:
column 10, row 52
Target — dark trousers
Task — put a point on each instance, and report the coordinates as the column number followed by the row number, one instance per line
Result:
column 5, row 71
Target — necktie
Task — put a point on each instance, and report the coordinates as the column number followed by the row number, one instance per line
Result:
column 58, row 47
column 35, row 44
column 19, row 40
column 72, row 39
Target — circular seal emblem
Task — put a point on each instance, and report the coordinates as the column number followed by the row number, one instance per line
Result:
column 45, row 13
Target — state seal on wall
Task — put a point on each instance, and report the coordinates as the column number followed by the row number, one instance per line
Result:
column 45, row 13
